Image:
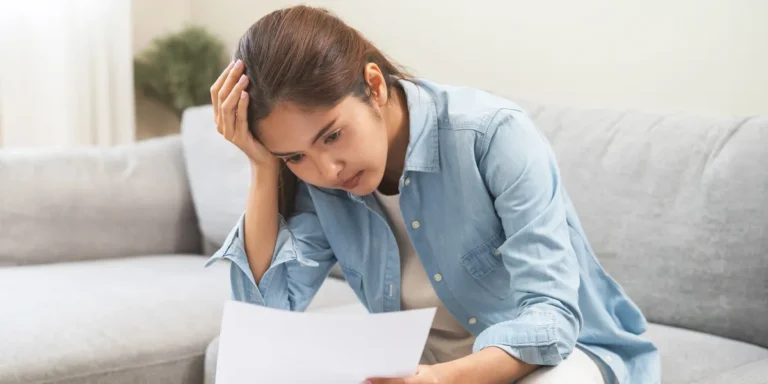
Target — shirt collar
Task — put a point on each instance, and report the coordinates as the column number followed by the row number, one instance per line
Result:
column 423, row 153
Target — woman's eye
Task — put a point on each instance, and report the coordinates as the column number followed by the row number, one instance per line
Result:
column 293, row 159
column 332, row 137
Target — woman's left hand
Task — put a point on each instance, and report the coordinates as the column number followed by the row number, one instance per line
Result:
column 425, row 374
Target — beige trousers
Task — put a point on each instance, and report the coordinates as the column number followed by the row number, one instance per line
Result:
column 578, row 368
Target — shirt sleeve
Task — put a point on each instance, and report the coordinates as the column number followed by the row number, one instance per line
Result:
column 301, row 261
column 519, row 169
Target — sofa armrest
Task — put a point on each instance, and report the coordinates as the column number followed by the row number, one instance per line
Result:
column 754, row 372
column 92, row 203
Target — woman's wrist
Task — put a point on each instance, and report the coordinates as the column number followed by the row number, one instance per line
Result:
column 265, row 178
column 265, row 170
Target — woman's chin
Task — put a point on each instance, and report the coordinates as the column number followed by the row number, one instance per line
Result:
column 366, row 186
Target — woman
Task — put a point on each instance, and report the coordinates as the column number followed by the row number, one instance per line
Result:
column 427, row 195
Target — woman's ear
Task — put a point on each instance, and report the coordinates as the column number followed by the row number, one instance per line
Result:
column 376, row 83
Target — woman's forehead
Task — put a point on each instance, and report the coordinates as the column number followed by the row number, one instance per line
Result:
column 290, row 128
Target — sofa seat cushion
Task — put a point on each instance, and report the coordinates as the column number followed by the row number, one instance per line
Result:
column 689, row 356
column 134, row 320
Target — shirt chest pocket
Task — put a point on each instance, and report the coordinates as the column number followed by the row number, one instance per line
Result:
column 486, row 267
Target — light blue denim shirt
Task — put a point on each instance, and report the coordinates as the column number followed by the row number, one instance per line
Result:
column 486, row 210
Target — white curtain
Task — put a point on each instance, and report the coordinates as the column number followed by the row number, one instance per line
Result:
column 66, row 73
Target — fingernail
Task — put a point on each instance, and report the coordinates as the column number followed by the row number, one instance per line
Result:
column 243, row 95
column 243, row 78
column 238, row 64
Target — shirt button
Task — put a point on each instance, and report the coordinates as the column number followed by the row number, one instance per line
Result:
column 438, row 277
column 496, row 252
column 472, row 320
column 608, row 359
column 415, row 224
column 407, row 180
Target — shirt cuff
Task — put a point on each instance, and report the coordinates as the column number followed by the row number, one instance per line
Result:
column 536, row 338
column 244, row 287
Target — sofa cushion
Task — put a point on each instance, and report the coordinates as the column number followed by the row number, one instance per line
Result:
column 675, row 208
column 752, row 373
column 688, row 356
column 134, row 320
column 219, row 175
column 119, row 201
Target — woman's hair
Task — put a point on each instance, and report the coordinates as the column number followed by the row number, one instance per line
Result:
column 309, row 57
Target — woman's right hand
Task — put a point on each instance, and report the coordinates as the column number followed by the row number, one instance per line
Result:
column 230, row 112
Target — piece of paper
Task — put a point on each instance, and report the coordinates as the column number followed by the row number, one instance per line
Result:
column 260, row 345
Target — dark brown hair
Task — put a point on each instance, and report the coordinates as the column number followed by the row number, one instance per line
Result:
column 309, row 57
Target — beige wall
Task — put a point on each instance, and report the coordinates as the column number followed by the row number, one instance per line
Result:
column 152, row 18
column 696, row 56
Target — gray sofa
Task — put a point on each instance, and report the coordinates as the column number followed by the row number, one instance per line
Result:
column 102, row 250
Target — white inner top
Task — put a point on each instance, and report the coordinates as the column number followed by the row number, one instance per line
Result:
column 448, row 339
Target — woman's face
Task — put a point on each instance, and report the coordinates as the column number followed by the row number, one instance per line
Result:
column 344, row 147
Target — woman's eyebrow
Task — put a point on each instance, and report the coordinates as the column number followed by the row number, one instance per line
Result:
column 319, row 134
column 323, row 131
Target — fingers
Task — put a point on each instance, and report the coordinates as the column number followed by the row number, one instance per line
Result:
column 385, row 381
column 215, row 90
column 229, row 82
column 227, row 109
column 413, row 379
column 241, row 117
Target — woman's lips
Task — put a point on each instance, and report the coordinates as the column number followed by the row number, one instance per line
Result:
column 352, row 182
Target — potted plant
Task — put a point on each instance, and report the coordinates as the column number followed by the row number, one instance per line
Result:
column 178, row 69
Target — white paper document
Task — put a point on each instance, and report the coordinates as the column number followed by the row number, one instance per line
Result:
column 260, row 345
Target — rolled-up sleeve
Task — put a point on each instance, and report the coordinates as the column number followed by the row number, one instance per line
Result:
column 520, row 171
column 300, row 263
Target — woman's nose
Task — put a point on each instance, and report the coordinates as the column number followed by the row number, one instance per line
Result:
column 330, row 169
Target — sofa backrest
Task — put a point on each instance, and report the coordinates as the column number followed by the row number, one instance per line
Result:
column 219, row 176
column 87, row 203
column 676, row 210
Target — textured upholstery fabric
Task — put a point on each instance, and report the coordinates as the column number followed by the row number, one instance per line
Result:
column 688, row 356
column 133, row 320
column 219, row 176
column 88, row 203
column 676, row 209
column 753, row 373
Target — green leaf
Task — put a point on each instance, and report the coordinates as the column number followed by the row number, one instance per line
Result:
column 178, row 69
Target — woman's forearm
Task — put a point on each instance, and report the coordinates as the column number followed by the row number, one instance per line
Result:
column 261, row 219
column 490, row 366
